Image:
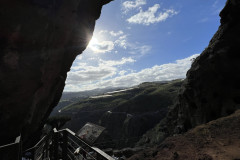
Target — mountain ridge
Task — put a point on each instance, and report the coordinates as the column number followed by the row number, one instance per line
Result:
column 122, row 112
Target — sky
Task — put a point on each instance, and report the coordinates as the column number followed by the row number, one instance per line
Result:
column 139, row 41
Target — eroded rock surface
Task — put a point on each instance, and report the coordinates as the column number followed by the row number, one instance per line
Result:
column 39, row 40
column 218, row 139
column 212, row 89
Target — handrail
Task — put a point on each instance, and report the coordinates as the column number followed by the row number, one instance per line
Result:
column 11, row 151
column 64, row 144
column 102, row 153
column 74, row 134
column 84, row 146
column 36, row 145
column 17, row 140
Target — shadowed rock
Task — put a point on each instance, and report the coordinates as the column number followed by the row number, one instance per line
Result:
column 212, row 89
column 39, row 40
column 218, row 139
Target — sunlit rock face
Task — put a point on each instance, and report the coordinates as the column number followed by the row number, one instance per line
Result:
column 212, row 87
column 39, row 40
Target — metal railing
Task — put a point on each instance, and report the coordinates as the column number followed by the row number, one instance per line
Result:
column 42, row 150
column 65, row 145
column 11, row 151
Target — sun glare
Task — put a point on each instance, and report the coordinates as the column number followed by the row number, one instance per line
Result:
column 100, row 46
column 93, row 42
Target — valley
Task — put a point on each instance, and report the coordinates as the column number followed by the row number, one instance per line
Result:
column 125, row 113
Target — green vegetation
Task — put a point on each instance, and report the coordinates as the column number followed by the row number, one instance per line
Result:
column 148, row 96
column 125, row 113
column 151, row 96
column 57, row 121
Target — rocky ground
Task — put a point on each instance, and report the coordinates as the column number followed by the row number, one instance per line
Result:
column 216, row 140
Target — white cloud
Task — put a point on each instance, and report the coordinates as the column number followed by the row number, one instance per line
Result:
column 90, row 74
column 121, row 73
column 140, row 50
column 133, row 48
column 79, row 57
column 100, row 47
column 122, row 41
column 151, row 16
column 124, row 60
column 112, row 33
column 103, row 32
column 163, row 72
column 79, row 66
column 144, row 49
column 119, row 38
column 81, row 73
column 128, row 5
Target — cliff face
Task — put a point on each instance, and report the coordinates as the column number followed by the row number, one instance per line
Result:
column 212, row 89
column 39, row 40
column 218, row 139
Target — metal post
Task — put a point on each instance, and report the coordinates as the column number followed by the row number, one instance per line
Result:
column 55, row 144
column 33, row 154
column 18, row 142
column 64, row 145
column 51, row 147
column 45, row 148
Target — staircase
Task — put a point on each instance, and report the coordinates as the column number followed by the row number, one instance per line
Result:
column 57, row 145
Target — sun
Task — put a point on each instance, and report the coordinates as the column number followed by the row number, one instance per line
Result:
column 93, row 43
column 100, row 45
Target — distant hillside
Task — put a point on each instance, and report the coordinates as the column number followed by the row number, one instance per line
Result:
column 86, row 94
column 127, row 114
column 73, row 97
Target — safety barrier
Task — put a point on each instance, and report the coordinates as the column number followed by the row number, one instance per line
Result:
column 11, row 151
column 65, row 145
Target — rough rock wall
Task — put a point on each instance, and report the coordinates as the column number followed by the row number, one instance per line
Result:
column 212, row 87
column 39, row 40
column 216, row 140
